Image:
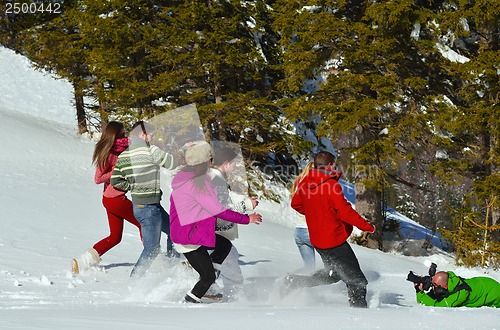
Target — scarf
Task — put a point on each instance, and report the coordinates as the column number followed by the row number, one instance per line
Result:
column 120, row 145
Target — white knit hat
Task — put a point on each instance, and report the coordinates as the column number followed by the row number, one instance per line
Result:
column 197, row 152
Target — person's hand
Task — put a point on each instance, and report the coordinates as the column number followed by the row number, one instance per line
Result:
column 367, row 219
column 254, row 201
column 418, row 287
column 255, row 218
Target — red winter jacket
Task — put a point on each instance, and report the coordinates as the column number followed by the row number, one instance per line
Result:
column 329, row 216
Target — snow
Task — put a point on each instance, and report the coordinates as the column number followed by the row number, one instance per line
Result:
column 442, row 154
column 450, row 54
column 415, row 33
column 51, row 211
column 34, row 92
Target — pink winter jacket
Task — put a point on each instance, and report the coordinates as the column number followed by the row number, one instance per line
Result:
column 103, row 175
column 193, row 212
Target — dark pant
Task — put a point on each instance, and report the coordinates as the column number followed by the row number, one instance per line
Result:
column 320, row 277
column 341, row 262
column 201, row 261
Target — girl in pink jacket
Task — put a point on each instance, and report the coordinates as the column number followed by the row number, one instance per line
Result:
column 117, row 205
column 194, row 208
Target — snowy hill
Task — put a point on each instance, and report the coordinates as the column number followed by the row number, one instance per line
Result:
column 33, row 92
column 51, row 211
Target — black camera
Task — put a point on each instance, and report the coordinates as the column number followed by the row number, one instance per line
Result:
column 425, row 280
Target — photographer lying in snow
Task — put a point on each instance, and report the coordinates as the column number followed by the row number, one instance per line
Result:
column 449, row 290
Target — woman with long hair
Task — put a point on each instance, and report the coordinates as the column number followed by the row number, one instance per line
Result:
column 118, row 206
column 194, row 209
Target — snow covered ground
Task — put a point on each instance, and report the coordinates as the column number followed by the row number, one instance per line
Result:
column 51, row 211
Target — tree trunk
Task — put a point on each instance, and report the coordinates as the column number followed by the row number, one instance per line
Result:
column 207, row 131
column 80, row 109
column 368, row 196
column 489, row 37
column 495, row 209
column 218, row 116
column 103, row 115
column 369, row 205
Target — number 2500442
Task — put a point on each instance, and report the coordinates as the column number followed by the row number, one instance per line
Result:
column 32, row 7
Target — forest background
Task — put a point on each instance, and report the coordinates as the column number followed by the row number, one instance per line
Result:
column 406, row 93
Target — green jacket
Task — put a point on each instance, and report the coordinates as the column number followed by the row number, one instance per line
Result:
column 484, row 291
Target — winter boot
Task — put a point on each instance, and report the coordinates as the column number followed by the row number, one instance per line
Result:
column 191, row 298
column 88, row 259
column 172, row 254
column 214, row 292
column 290, row 283
column 357, row 296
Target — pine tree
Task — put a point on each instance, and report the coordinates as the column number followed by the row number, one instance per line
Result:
column 373, row 80
column 140, row 58
column 57, row 46
column 16, row 19
column 123, row 39
column 472, row 237
column 469, row 127
column 221, row 55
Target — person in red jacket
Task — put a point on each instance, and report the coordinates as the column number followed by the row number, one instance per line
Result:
column 118, row 206
column 330, row 219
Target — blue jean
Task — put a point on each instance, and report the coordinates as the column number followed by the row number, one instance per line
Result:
column 305, row 248
column 153, row 219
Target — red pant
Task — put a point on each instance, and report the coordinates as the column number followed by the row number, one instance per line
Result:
column 118, row 209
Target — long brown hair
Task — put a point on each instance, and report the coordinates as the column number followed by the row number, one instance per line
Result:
column 103, row 147
column 301, row 176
